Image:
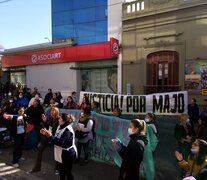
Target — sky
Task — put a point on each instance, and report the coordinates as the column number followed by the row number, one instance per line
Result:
column 24, row 22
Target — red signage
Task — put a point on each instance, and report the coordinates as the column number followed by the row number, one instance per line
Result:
column 105, row 50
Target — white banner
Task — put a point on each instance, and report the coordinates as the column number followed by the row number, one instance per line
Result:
column 172, row 103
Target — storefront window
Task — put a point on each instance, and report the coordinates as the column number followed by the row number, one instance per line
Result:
column 99, row 80
column 18, row 78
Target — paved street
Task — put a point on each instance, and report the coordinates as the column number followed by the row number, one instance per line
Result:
column 165, row 163
column 92, row 171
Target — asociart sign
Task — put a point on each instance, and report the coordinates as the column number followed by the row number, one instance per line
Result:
column 45, row 57
column 88, row 52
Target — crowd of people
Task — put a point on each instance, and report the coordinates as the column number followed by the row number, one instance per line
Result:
column 23, row 111
column 191, row 136
column 26, row 109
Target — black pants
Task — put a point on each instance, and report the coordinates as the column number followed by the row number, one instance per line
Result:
column 38, row 162
column 86, row 149
column 18, row 147
column 65, row 167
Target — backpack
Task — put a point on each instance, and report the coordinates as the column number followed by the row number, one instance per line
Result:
column 82, row 135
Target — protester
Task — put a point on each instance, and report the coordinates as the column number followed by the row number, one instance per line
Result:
column 48, row 97
column 202, row 130
column 84, row 133
column 70, row 103
column 58, row 99
column 95, row 107
column 147, row 170
column 35, row 92
column 193, row 112
column 37, row 96
column 183, row 135
column 132, row 155
column 150, row 120
column 203, row 114
column 117, row 112
column 196, row 163
column 74, row 96
column 85, row 103
column 2, row 124
column 53, row 103
column 18, row 130
column 35, row 112
column 50, row 122
column 64, row 141
column 8, row 106
column 28, row 94
column 22, row 101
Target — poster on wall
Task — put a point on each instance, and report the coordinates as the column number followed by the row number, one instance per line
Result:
column 196, row 77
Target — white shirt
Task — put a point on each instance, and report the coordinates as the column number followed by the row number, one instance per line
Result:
column 20, row 125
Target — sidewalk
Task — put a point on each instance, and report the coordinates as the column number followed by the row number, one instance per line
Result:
column 91, row 171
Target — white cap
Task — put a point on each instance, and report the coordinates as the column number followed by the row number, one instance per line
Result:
column 189, row 178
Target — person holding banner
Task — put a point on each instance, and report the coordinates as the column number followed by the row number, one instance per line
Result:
column 84, row 133
column 132, row 155
column 95, row 107
column 147, row 170
column 117, row 112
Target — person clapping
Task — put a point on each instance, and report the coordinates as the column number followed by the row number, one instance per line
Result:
column 64, row 140
column 196, row 163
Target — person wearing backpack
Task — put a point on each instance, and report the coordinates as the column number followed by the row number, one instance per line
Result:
column 84, row 133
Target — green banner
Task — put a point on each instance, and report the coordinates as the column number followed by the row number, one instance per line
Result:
column 110, row 127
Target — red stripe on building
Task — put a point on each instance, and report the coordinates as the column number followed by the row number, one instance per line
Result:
column 105, row 50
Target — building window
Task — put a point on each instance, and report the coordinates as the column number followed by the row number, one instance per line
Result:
column 162, row 72
column 18, row 78
column 138, row 6
column 99, row 80
column 80, row 20
column 142, row 5
column 135, row 7
column 129, row 9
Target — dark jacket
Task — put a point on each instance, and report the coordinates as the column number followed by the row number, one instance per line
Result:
column 22, row 102
column 203, row 114
column 50, row 122
column 48, row 96
column 132, row 156
column 35, row 114
column 65, row 141
column 193, row 112
column 181, row 133
column 202, row 131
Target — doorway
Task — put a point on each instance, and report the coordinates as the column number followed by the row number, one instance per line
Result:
column 162, row 72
